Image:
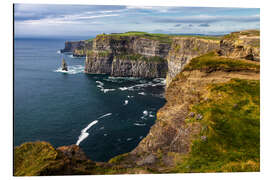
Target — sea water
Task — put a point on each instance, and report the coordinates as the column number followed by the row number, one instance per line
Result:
column 106, row 116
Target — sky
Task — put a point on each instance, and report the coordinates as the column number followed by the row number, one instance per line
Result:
column 40, row 20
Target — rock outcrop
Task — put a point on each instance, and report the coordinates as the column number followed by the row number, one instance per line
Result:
column 64, row 65
column 241, row 45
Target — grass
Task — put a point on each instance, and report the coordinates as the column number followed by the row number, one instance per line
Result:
column 230, row 129
column 162, row 38
column 212, row 62
column 248, row 33
column 139, row 57
column 32, row 158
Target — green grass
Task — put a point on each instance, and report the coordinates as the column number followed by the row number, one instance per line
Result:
column 32, row 158
column 139, row 57
column 163, row 38
column 235, row 35
column 212, row 62
column 230, row 127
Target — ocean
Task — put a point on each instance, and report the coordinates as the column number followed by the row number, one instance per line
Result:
column 106, row 116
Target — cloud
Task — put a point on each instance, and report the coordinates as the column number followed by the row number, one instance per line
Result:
column 24, row 12
column 65, row 20
column 205, row 19
column 204, row 25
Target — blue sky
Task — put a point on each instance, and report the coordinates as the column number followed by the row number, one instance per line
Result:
column 37, row 20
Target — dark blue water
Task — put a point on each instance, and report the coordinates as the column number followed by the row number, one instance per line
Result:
column 106, row 116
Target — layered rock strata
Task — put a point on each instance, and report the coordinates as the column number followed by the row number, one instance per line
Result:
column 127, row 56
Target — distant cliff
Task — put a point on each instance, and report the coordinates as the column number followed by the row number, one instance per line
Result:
column 77, row 48
column 121, row 55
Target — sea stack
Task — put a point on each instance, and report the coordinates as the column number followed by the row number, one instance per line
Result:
column 64, row 65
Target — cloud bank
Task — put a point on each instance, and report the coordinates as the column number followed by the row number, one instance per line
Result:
column 37, row 20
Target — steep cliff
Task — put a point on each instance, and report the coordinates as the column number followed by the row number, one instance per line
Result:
column 77, row 48
column 243, row 45
column 183, row 49
column 121, row 55
column 210, row 122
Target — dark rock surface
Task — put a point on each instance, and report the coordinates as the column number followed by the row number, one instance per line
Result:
column 64, row 65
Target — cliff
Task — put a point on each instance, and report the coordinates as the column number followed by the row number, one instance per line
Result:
column 155, row 55
column 127, row 55
column 183, row 49
column 210, row 122
column 243, row 45
column 77, row 48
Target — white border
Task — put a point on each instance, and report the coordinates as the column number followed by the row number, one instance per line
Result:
column 6, row 79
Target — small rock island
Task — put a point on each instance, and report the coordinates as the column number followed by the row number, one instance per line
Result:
column 64, row 65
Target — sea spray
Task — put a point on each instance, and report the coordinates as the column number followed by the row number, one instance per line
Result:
column 71, row 69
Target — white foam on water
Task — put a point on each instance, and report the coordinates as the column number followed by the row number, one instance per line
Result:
column 101, row 87
column 125, row 102
column 107, row 90
column 101, row 128
column 138, row 124
column 108, row 114
column 84, row 133
column 58, row 52
column 128, row 139
column 100, row 83
column 142, row 93
column 123, row 88
column 145, row 112
column 105, row 134
column 71, row 69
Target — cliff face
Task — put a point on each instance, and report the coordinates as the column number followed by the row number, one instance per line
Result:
column 243, row 45
column 191, row 124
column 183, row 49
column 77, row 48
column 127, row 56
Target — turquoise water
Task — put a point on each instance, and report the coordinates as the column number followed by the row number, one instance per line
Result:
column 105, row 116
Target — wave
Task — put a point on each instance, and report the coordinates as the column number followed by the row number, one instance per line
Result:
column 155, row 82
column 108, row 114
column 84, row 133
column 58, row 52
column 71, row 69
column 138, row 124
column 142, row 93
column 101, row 87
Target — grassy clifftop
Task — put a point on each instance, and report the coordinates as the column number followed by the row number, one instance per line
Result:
column 163, row 38
column 212, row 62
column 229, row 140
